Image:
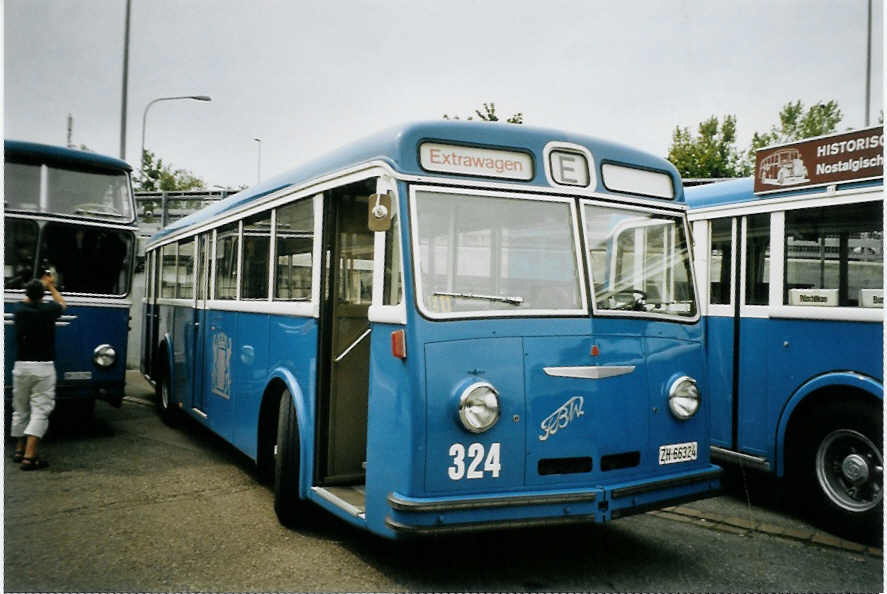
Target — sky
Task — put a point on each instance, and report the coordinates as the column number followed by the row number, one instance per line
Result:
column 308, row 76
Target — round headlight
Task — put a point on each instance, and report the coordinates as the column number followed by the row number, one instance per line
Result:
column 683, row 398
column 479, row 407
column 104, row 355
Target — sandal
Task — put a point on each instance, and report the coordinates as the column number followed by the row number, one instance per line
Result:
column 18, row 456
column 35, row 463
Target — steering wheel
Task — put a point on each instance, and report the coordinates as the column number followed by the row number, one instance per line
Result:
column 636, row 303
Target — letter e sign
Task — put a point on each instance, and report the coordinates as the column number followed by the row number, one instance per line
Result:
column 569, row 168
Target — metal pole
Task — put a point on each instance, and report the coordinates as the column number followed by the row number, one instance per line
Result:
column 868, row 68
column 145, row 118
column 125, row 83
column 259, row 164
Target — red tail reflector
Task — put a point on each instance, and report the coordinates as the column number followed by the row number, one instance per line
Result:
column 399, row 344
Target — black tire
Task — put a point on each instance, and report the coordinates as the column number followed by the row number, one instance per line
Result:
column 841, row 469
column 287, row 504
column 165, row 404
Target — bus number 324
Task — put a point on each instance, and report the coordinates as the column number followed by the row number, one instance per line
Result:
column 476, row 457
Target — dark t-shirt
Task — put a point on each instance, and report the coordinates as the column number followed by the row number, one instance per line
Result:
column 35, row 330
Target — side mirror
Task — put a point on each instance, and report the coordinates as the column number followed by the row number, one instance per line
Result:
column 379, row 215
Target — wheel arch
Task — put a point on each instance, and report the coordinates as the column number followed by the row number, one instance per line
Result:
column 281, row 379
column 163, row 363
column 828, row 387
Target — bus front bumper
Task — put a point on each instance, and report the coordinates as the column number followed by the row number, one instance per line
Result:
column 437, row 515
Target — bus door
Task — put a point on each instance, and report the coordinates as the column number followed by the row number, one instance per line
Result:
column 148, row 317
column 344, row 355
column 739, row 294
column 721, row 326
column 199, row 321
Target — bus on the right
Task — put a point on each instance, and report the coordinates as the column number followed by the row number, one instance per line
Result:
column 791, row 278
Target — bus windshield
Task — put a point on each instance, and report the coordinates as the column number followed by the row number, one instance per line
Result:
column 639, row 261
column 103, row 194
column 481, row 253
column 84, row 259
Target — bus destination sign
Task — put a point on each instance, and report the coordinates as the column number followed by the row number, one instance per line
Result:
column 850, row 156
column 467, row 160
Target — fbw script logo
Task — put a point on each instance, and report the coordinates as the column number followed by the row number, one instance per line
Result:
column 563, row 416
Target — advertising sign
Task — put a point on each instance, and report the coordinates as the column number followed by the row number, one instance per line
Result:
column 850, row 156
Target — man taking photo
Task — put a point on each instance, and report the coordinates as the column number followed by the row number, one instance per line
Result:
column 33, row 376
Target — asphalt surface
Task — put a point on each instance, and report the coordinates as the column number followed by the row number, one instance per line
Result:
column 132, row 505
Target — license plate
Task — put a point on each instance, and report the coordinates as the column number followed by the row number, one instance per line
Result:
column 678, row 452
column 78, row 375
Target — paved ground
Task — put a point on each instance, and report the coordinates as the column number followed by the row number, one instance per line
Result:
column 752, row 502
column 130, row 504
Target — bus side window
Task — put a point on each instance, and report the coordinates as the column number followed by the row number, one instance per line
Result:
column 720, row 262
column 185, row 275
column 226, row 262
column 757, row 259
column 834, row 256
column 294, row 251
column 256, row 252
column 168, row 270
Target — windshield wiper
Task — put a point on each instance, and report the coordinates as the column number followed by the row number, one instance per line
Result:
column 499, row 298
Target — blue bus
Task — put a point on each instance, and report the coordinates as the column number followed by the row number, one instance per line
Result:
column 447, row 326
column 72, row 212
column 792, row 284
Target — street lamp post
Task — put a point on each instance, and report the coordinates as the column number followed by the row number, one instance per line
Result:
column 259, row 163
column 150, row 103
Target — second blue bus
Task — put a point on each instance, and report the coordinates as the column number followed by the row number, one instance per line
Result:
column 792, row 283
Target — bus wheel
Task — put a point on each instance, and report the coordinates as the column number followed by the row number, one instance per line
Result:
column 287, row 504
column 165, row 404
column 846, row 470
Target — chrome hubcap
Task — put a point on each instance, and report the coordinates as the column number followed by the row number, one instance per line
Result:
column 850, row 470
column 855, row 468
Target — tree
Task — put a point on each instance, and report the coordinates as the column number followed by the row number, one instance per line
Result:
column 712, row 154
column 796, row 124
column 157, row 176
column 489, row 115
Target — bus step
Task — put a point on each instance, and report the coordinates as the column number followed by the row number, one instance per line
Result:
column 352, row 499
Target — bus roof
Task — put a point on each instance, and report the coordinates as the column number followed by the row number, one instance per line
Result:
column 31, row 152
column 741, row 190
column 399, row 148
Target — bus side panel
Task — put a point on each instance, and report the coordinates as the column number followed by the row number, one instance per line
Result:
column 754, row 374
column 249, row 364
column 396, row 424
column 182, row 359
column 718, row 393
column 815, row 347
column 220, row 357
column 292, row 345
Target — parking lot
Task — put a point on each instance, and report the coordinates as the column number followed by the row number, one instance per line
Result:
column 130, row 504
